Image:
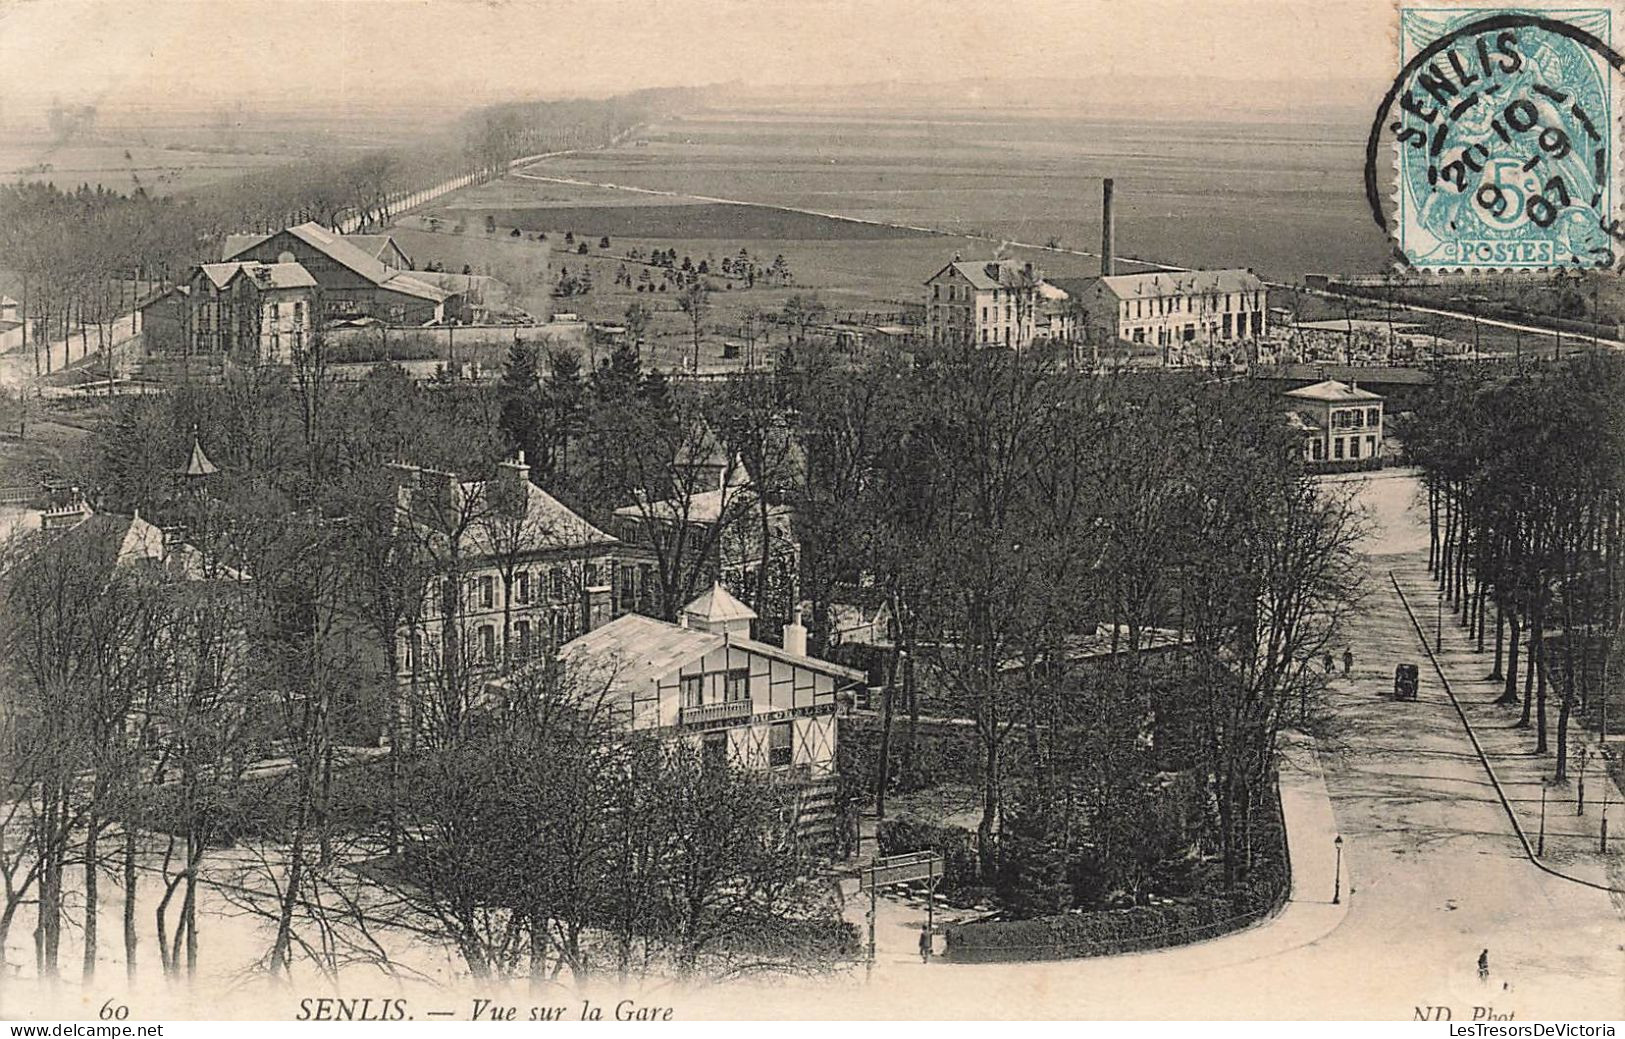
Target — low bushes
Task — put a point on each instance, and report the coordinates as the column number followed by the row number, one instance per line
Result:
column 372, row 346
column 1108, row 932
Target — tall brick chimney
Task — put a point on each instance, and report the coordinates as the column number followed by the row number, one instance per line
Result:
column 1107, row 230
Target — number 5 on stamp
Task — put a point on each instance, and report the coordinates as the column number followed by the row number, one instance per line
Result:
column 1503, row 120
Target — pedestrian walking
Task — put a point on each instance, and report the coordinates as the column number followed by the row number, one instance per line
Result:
column 1326, row 662
column 925, row 945
column 1348, row 660
column 1484, row 965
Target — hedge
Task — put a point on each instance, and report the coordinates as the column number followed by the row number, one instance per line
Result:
column 1141, row 928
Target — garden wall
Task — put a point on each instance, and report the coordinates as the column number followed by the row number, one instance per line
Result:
column 1112, row 931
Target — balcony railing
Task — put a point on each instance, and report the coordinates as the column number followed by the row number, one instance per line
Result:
column 705, row 714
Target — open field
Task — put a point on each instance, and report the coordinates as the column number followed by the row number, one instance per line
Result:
column 124, row 165
column 1281, row 199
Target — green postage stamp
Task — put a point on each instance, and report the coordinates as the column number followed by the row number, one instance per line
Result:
column 1503, row 118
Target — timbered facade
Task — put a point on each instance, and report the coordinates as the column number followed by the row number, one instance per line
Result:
column 736, row 700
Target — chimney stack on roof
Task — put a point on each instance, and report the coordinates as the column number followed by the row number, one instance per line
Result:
column 515, row 480
column 795, row 636
column 1108, row 231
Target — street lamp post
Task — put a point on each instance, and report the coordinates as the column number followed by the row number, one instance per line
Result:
column 1605, row 791
column 1540, row 846
column 1337, row 877
column 1438, row 624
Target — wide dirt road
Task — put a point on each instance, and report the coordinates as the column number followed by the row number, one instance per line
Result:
column 1433, row 874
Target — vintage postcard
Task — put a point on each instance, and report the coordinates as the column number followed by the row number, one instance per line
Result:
column 548, row 511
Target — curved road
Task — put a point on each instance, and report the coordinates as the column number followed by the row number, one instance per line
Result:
column 1434, row 870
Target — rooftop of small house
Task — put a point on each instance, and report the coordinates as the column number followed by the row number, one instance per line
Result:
column 632, row 650
column 1330, row 391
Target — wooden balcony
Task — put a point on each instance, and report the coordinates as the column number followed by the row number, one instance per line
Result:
column 712, row 713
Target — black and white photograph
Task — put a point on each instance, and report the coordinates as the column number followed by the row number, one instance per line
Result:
column 670, row 511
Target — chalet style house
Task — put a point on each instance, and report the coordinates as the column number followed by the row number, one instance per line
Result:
column 737, row 700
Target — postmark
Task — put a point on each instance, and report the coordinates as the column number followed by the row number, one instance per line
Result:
column 1503, row 123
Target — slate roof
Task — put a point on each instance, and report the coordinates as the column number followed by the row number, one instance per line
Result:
column 719, row 604
column 277, row 275
column 549, row 523
column 343, row 250
column 1331, row 391
column 376, row 244
column 198, row 464
column 1180, row 283
column 988, row 274
column 634, row 651
column 639, row 649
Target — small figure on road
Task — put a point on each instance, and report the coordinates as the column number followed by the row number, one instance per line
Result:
column 1484, row 965
column 1348, row 659
column 925, row 945
column 1326, row 662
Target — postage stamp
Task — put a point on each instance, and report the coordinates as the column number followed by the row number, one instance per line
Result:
column 1504, row 123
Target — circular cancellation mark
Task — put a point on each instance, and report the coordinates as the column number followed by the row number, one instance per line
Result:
column 1506, row 145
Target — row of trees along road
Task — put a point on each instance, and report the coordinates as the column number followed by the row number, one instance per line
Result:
column 1524, row 494
column 1001, row 504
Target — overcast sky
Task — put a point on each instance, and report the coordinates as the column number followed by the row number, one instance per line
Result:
column 471, row 51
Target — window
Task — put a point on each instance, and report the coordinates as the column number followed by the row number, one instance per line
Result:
column 488, row 643
column 1337, row 447
column 276, row 312
column 780, row 752
column 737, row 686
column 558, row 583
column 591, row 574
column 488, row 592
column 1373, row 416
column 521, row 587
column 397, row 313
column 984, row 313
column 714, row 754
column 521, row 635
column 1370, row 447
column 1354, row 447
column 693, row 690
column 1317, row 450
column 298, row 313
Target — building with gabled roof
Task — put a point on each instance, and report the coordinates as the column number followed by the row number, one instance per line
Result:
column 993, row 303
column 512, row 571
column 1188, row 310
column 354, row 273
column 737, row 700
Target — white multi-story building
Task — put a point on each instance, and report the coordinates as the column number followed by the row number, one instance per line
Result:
column 1176, row 308
column 988, row 303
column 1341, row 424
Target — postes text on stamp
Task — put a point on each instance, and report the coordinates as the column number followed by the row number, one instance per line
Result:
column 1504, row 123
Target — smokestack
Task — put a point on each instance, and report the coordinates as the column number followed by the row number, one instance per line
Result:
column 1107, row 229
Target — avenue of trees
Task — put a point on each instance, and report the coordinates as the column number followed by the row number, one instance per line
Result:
column 1005, row 507
column 1524, row 497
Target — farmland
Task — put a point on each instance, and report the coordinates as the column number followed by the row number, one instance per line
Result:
column 1282, row 198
